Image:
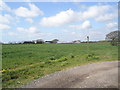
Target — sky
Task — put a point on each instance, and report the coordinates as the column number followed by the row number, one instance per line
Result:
column 66, row 21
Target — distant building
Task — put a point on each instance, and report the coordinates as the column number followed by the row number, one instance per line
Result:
column 89, row 42
column 77, row 41
column 40, row 41
column 55, row 40
column 47, row 42
column 1, row 43
column 67, row 42
column 28, row 42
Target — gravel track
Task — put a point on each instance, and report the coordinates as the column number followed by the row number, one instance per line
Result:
column 97, row 75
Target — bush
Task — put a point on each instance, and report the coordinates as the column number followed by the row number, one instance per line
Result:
column 8, row 75
column 113, row 43
column 92, row 57
column 3, row 70
column 52, row 58
column 71, row 55
column 58, row 60
column 62, row 59
column 64, row 63
column 6, row 78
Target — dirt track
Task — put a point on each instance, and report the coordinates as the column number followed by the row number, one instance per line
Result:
column 97, row 75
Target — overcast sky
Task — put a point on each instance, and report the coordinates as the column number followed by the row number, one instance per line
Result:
column 65, row 21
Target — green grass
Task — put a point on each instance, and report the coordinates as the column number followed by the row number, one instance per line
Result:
column 23, row 63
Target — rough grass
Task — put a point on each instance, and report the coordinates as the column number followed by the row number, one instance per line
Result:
column 23, row 63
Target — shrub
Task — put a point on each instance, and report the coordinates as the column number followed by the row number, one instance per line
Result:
column 92, row 57
column 71, row 55
column 62, row 59
column 42, row 66
column 3, row 70
column 52, row 58
column 58, row 60
column 6, row 78
column 8, row 75
column 64, row 63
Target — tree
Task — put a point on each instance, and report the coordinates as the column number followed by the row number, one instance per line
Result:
column 28, row 42
column 40, row 41
column 114, row 37
column 55, row 40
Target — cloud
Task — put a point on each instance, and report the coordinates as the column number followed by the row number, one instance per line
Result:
column 70, row 35
column 105, row 18
column 33, row 11
column 80, row 5
column 69, row 32
column 4, row 27
column 85, row 25
column 97, row 35
column 97, row 12
column 109, row 14
column 4, row 6
column 112, row 25
column 12, row 34
column 30, row 31
column 29, row 20
column 6, row 19
column 66, row 31
column 62, row 18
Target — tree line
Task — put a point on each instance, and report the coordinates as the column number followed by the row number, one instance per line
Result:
column 38, row 41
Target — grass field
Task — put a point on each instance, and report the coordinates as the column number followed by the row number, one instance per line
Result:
column 23, row 63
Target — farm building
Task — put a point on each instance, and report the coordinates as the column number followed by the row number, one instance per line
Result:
column 77, row 41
